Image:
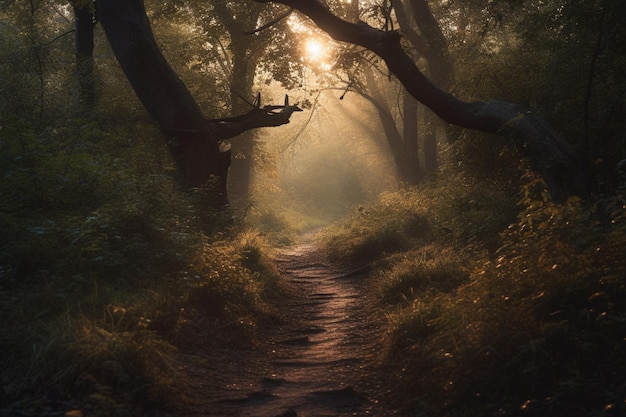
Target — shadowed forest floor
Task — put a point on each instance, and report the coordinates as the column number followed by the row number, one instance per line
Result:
column 317, row 360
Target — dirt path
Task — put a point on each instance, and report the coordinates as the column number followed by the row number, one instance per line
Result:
column 320, row 360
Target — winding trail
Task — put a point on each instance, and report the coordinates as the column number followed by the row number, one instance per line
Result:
column 320, row 359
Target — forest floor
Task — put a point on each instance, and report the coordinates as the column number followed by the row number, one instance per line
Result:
column 319, row 359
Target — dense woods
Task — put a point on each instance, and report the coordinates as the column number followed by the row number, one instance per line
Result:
column 154, row 155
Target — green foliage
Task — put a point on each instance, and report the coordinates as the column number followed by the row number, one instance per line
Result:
column 276, row 226
column 560, row 57
column 496, row 308
column 226, row 289
column 536, row 329
column 106, row 263
column 384, row 227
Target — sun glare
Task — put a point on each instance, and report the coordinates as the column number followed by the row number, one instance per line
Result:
column 314, row 50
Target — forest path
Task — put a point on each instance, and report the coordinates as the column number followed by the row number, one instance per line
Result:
column 320, row 359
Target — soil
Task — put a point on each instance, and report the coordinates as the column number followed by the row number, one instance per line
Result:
column 320, row 361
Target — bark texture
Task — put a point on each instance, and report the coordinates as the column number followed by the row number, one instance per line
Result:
column 560, row 167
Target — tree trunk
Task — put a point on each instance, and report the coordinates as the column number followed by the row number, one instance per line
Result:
column 440, row 70
column 193, row 141
column 83, row 15
column 405, row 165
column 432, row 44
column 164, row 96
column 396, row 145
column 409, row 137
column 437, row 53
column 242, row 74
column 560, row 167
column 431, row 123
column 243, row 148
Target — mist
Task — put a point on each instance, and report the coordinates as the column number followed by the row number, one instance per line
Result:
column 329, row 160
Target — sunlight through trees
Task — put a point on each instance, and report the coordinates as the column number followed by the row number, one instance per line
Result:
column 161, row 161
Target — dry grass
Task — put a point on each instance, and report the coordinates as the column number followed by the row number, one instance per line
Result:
column 535, row 328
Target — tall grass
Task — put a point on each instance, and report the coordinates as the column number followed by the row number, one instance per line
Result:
column 107, row 267
column 453, row 209
column 532, row 328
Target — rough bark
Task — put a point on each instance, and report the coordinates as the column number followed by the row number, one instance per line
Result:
column 266, row 116
column 559, row 165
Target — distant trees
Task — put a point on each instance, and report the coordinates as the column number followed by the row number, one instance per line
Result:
column 571, row 53
column 194, row 141
column 397, row 110
column 429, row 42
column 355, row 71
column 561, row 168
column 426, row 43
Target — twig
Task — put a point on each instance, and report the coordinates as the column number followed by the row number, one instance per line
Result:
column 271, row 23
column 57, row 38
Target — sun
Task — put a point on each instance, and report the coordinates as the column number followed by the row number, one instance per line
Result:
column 314, row 50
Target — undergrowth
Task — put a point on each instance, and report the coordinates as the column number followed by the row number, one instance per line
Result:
column 454, row 209
column 107, row 268
column 525, row 320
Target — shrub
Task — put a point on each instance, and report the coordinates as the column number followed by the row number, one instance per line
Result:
column 106, row 265
column 537, row 330
column 454, row 210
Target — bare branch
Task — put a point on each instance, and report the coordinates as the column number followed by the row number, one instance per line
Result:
column 266, row 116
column 270, row 23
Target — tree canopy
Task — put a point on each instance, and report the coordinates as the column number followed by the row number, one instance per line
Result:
column 121, row 120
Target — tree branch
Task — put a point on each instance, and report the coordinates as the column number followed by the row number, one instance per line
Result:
column 270, row 23
column 266, row 116
column 559, row 165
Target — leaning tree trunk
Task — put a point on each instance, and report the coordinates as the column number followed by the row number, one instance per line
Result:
column 164, row 96
column 193, row 141
column 561, row 168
